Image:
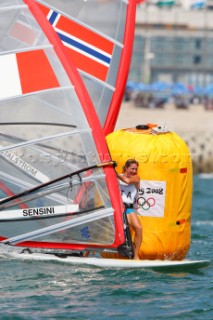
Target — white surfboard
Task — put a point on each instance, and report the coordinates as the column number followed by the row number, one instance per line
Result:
column 119, row 263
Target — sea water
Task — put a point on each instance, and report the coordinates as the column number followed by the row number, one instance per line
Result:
column 49, row 290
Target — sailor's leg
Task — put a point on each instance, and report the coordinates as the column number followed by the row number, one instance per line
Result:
column 134, row 222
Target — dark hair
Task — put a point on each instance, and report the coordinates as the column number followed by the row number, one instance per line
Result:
column 128, row 163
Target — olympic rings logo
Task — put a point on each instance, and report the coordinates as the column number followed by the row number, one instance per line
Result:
column 146, row 204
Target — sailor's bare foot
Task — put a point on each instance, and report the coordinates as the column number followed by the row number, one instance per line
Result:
column 86, row 254
column 136, row 258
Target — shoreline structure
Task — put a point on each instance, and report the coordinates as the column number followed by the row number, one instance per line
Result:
column 194, row 125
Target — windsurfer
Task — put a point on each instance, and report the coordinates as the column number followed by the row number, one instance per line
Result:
column 129, row 183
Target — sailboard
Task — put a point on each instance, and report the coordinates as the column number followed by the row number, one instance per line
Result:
column 58, row 188
column 98, row 37
column 158, row 265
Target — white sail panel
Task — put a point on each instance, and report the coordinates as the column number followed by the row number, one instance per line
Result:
column 18, row 30
column 10, row 3
column 10, row 84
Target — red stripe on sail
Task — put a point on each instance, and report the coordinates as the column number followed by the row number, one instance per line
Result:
column 35, row 71
column 87, row 65
column 9, row 193
column 85, row 34
column 44, row 9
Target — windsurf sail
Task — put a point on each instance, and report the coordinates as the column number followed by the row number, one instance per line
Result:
column 58, row 188
column 98, row 37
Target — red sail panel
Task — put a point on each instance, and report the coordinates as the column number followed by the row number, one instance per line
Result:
column 84, row 34
column 35, row 71
column 29, row 71
column 87, row 65
column 90, row 52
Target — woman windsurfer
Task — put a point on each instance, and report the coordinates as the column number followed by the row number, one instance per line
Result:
column 129, row 183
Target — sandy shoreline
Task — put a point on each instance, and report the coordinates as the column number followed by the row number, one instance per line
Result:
column 194, row 119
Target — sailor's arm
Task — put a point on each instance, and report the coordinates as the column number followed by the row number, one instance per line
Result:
column 131, row 180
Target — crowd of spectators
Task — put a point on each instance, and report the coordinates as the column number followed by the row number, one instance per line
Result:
column 158, row 99
column 184, row 4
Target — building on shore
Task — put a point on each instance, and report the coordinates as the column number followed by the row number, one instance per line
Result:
column 173, row 44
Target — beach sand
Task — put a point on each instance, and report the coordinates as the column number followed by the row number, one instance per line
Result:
column 181, row 121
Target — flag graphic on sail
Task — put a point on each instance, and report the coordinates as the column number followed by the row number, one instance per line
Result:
column 98, row 37
column 58, row 188
column 90, row 52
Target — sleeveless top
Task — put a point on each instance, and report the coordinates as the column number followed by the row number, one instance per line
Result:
column 128, row 192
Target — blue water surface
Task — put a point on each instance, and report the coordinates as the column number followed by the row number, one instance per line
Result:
column 52, row 290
